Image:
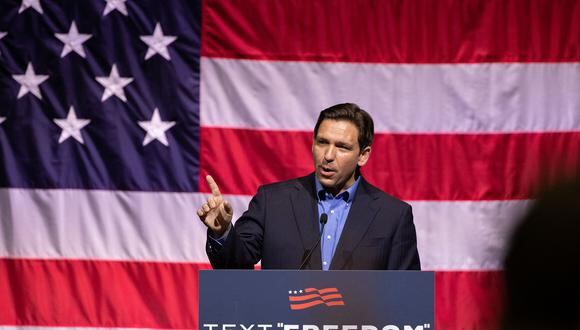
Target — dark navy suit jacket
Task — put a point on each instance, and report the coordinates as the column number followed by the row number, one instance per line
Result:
column 281, row 224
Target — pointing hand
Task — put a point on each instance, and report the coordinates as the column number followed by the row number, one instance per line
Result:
column 216, row 213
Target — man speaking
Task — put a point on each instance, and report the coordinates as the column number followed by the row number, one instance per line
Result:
column 331, row 219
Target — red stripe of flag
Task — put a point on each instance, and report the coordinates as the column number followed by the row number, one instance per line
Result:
column 85, row 293
column 445, row 31
column 468, row 299
column 409, row 166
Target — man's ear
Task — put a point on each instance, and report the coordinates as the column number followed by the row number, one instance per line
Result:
column 364, row 156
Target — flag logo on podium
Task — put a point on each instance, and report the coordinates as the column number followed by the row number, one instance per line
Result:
column 310, row 297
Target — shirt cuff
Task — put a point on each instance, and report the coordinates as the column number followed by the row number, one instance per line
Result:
column 222, row 239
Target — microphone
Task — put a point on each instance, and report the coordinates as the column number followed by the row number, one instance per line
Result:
column 323, row 220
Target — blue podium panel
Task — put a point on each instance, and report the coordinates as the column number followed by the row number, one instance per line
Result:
column 316, row 300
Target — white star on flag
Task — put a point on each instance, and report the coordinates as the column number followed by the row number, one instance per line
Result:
column 156, row 128
column 114, row 84
column 71, row 126
column 73, row 41
column 116, row 5
column 158, row 43
column 35, row 4
column 29, row 82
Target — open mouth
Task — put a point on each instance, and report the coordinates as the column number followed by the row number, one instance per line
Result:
column 327, row 171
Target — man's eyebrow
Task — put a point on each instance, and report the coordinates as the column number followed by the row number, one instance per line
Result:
column 344, row 144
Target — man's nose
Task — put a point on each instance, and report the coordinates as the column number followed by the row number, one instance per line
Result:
column 329, row 154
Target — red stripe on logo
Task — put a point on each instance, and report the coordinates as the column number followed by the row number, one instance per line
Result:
column 323, row 296
column 321, row 291
column 331, row 296
column 306, row 305
column 302, row 298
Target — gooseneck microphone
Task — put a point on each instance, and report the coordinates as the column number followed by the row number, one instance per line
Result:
column 306, row 260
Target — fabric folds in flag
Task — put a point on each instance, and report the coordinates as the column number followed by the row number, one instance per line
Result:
column 113, row 111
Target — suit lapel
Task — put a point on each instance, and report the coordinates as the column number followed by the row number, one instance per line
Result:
column 305, row 214
column 359, row 219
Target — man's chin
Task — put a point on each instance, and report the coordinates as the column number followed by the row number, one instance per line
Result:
column 326, row 182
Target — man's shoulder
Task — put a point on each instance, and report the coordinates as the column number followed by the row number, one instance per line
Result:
column 306, row 183
column 384, row 198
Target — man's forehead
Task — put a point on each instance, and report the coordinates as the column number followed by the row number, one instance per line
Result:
column 341, row 130
column 337, row 126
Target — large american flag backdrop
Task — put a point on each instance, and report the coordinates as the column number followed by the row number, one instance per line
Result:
column 112, row 112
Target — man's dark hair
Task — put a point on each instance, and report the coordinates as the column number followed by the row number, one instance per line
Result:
column 353, row 113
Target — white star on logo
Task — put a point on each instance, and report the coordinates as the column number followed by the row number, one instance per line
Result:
column 114, row 84
column 116, row 5
column 29, row 82
column 158, row 43
column 35, row 4
column 156, row 128
column 71, row 126
column 73, row 41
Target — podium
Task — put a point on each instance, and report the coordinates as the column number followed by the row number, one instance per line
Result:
column 316, row 300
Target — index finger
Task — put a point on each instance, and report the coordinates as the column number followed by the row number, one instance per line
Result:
column 215, row 190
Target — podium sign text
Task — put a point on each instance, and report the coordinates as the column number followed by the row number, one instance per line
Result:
column 316, row 300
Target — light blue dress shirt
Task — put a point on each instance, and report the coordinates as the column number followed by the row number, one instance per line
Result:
column 337, row 208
